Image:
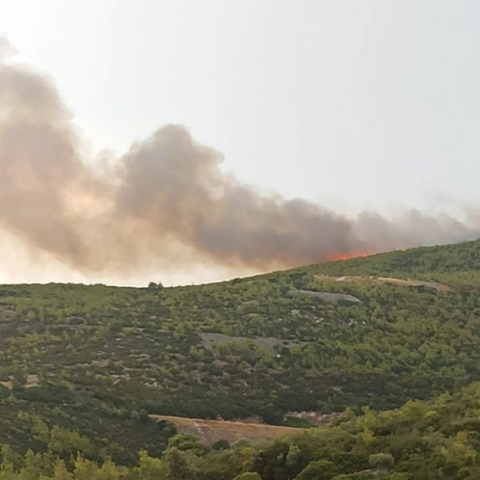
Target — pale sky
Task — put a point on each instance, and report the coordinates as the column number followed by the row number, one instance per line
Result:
column 358, row 103
column 367, row 102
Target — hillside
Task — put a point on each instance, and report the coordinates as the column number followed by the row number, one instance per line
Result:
column 89, row 364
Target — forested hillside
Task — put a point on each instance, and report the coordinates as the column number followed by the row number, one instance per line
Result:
column 434, row 440
column 83, row 367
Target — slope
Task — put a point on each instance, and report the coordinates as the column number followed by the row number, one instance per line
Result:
column 96, row 361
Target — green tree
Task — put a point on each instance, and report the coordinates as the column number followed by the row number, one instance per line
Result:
column 151, row 468
column 248, row 476
column 382, row 461
column 317, row 470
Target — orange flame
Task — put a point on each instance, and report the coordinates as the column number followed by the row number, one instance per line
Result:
column 349, row 255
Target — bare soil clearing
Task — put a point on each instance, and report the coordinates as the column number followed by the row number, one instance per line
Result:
column 440, row 287
column 211, row 431
column 269, row 343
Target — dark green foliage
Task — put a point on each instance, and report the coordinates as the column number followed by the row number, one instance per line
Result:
column 221, row 445
column 457, row 258
column 83, row 367
column 317, row 470
column 420, row 441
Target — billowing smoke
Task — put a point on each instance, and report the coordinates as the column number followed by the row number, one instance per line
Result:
column 165, row 201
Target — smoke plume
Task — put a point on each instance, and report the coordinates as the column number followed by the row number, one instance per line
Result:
column 166, row 200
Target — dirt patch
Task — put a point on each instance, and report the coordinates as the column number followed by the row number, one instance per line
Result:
column 32, row 381
column 269, row 343
column 327, row 296
column 211, row 431
column 314, row 418
column 440, row 287
column 7, row 311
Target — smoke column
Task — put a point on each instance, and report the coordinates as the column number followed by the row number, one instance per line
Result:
column 165, row 201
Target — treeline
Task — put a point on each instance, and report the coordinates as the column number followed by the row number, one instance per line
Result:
column 433, row 440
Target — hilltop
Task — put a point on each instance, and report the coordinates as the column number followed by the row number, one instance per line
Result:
column 90, row 364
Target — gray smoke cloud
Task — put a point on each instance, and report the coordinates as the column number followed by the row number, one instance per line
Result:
column 166, row 200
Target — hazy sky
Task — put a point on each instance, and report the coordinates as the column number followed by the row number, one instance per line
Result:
column 360, row 103
column 365, row 101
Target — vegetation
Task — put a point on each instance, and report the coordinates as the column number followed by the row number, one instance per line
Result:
column 434, row 440
column 83, row 367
